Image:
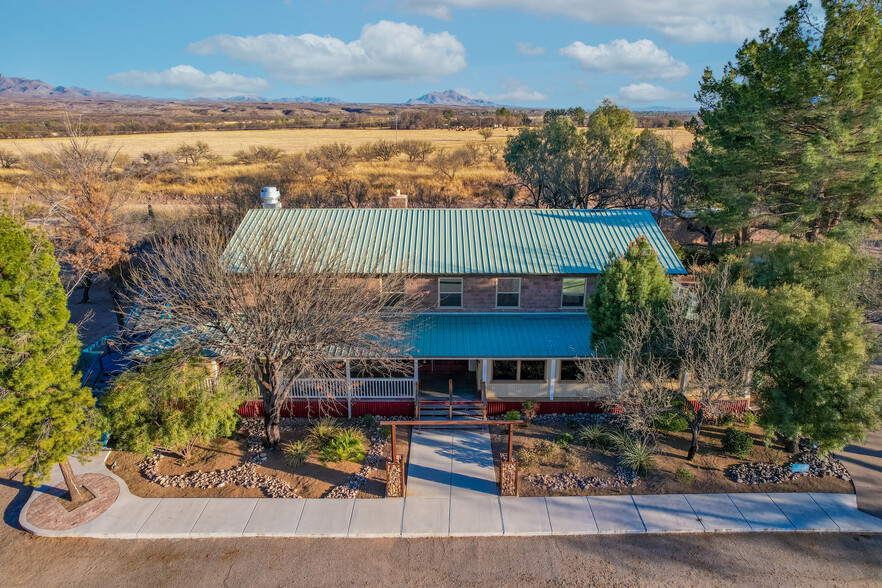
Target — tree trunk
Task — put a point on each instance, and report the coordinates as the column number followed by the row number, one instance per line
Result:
column 271, row 426
column 791, row 443
column 87, row 283
column 695, row 425
column 70, row 480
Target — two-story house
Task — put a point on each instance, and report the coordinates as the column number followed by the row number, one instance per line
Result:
column 501, row 294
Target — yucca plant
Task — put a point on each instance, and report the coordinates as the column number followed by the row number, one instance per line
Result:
column 637, row 454
column 618, row 439
column 594, row 436
column 323, row 431
column 296, row 453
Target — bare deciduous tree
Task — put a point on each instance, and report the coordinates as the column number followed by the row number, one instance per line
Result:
column 416, row 150
column 636, row 383
column 719, row 339
column 194, row 154
column 85, row 188
column 283, row 312
column 714, row 334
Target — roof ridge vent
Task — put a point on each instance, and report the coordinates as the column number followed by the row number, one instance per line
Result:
column 269, row 198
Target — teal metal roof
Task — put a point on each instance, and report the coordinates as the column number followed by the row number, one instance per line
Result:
column 462, row 336
column 457, row 241
column 499, row 335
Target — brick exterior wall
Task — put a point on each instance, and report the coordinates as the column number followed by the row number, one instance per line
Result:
column 538, row 294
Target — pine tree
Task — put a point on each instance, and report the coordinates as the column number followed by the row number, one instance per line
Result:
column 791, row 133
column 634, row 281
column 44, row 414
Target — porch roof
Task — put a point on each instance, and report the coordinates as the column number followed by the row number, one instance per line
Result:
column 500, row 335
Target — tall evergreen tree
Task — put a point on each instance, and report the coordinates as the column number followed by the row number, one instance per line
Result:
column 791, row 133
column 818, row 382
column 635, row 281
column 44, row 414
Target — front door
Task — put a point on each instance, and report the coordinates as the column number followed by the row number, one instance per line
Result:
column 448, row 366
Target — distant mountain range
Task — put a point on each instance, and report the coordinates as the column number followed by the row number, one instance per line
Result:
column 25, row 88
column 302, row 99
column 18, row 88
column 450, row 98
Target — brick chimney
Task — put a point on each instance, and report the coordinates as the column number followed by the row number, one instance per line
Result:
column 398, row 200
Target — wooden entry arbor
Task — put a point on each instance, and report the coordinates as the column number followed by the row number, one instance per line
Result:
column 508, row 476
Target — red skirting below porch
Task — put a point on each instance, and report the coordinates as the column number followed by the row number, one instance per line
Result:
column 548, row 407
column 334, row 408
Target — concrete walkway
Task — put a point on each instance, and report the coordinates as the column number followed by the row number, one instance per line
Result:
column 864, row 463
column 445, row 463
column 476, row 514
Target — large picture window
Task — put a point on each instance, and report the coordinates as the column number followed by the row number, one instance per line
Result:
column 508, row 292
column 505, row 370
column 570, row 371
column 533, row 371
column 573, row 293
column 450, row 292
column 512, row 370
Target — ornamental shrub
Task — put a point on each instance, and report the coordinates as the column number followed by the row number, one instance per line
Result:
column 685, row 475
column 670, row 422
column 347, row 445
column 527, row 458
column 512, row 415
column 736, row 442
column 171, row 402
column 564, row 440
column 545, row 448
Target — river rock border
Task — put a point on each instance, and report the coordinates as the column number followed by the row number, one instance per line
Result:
column 245, row 475
column 770, row 473
column 622, row 478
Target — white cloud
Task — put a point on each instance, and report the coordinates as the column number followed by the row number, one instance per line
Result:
column 384, row 51
column 641, row 58
column 644, row 92
column 715, row 21
column 529, row 49
column 192, row 81
column 513, row 92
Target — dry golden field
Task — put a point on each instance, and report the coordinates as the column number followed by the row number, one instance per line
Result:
column 480, row 183
column 225, row 143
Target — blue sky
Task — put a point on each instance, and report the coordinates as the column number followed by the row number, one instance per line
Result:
column 543, row 53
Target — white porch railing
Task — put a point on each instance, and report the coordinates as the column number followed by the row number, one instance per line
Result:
column 373, row 388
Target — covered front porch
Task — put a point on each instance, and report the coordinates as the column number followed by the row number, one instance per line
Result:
column 472, row 358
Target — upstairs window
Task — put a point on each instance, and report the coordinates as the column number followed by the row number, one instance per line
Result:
column 508, row 292
column 392, row 291
column 573, row 293
column 450, row 292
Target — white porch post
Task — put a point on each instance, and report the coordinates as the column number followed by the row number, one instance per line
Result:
column 348, row 391
column 416, row 379
column 484, row 383
column 553, row 379
column 484, row 370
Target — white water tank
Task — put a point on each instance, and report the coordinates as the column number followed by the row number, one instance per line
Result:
column 269, row 197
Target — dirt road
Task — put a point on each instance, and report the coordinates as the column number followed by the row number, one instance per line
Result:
column 638, row 560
